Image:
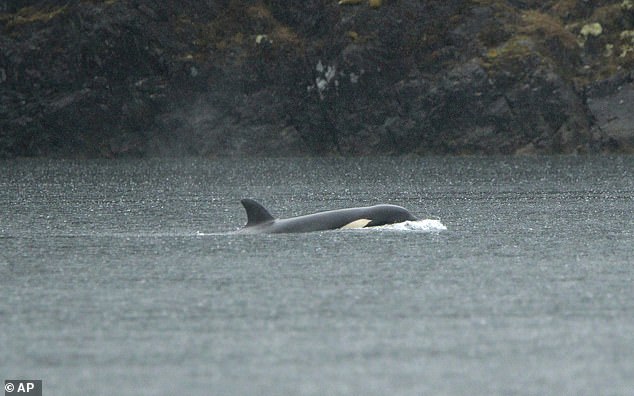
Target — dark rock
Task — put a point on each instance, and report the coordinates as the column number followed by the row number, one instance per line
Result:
column 146, row 77
column 611, row 104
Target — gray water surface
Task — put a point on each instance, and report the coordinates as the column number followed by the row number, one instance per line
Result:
column 124, row 277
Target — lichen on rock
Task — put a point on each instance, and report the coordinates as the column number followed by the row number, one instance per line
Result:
column 591, row 29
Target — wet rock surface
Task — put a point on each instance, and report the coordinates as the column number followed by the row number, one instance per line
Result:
column 611, row 102
column 140, row 78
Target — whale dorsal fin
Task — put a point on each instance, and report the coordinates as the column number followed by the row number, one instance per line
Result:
column 256, row 213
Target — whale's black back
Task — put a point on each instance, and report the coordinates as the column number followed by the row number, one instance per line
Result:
column 260, row 220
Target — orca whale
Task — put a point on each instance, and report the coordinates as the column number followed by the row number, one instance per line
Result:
column 260, row 221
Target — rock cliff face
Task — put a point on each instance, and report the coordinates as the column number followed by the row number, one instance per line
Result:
column 269, row 77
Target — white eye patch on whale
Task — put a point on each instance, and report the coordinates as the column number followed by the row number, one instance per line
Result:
column 259, row 220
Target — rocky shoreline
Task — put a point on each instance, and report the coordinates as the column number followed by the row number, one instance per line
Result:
column 221, row 78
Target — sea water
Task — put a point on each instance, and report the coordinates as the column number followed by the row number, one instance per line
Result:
column 126, row 277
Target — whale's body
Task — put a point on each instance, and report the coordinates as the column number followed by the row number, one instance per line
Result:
column 260, row 221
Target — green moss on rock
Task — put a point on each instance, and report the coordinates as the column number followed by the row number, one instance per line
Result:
column 236, row 30
column 29, row 15
column 511, row 57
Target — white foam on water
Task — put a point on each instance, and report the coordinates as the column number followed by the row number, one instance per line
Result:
column 425, row 225
column 200, row 233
